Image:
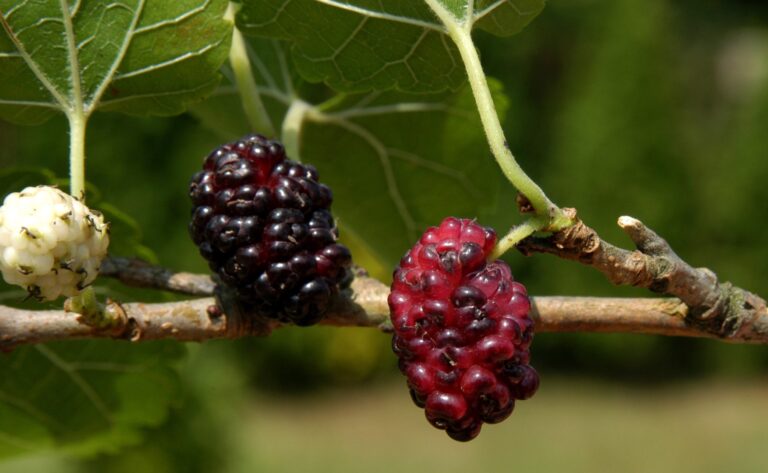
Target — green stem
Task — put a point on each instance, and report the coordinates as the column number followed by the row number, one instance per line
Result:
column 90, row 312
column 462, row 37
column 518, row 233
column 331, row 102
column 292, row 124
column 77, row 126
column 258, row 118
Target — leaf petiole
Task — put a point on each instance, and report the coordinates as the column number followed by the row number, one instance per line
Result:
column 292, row 123
column 462, row 37
column 258, row 118
column 77, row 126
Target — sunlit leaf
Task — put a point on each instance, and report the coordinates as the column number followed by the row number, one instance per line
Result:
column 135, row 56
column 356, row 45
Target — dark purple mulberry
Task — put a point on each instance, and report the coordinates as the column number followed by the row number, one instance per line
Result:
column 264, row 224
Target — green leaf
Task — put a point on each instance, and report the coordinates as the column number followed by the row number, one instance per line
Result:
column 505, row 17
column 134, row 56
column 83, row 397
column 357, row 45
column 398, row 163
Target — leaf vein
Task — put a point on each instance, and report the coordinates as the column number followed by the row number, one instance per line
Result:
column 401, row 107
column 170, row 62
column 28, row 103
column 110, row 76
column 75, row 79
column 274, row 17
column 15, row 8
column 382, row 15
column 38, row 23
column 32, row 411
column 173, row 21
column 438, row 168
column 158, row 94
column 78, row 380
column 378, row 147
column 75, row 8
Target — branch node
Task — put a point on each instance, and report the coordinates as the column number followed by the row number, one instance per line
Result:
column 240, row 320
column 133, row 331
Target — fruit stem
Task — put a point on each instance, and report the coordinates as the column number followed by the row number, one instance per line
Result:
column 87, row 306
column 517, row 234
column 292, row 123
column 461, row 35
column 77, row 126
column 258, row 118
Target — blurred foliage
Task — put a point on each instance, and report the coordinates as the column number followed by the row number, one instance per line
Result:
column 84, row 397
column 649, row 108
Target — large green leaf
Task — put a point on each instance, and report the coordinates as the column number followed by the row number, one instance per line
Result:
column 83, row 397
column 356, row 45
column 135, row 56
column 396, row 162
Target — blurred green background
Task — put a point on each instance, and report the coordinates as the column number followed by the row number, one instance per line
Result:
column 650, row 108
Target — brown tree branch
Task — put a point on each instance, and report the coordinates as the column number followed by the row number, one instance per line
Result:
column 717, row 308
column 138, row 273
column 703, row 307
column 199, row 320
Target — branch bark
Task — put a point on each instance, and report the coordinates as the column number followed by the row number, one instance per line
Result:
column 363, row 305
column 138, row 273
column 199, row 320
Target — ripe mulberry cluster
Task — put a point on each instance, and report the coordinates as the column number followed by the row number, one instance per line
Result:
column 51, row 243
column 462, row 329
column 264, row 224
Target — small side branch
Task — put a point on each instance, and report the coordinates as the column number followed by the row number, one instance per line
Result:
column 714, row 307
column 138, row 273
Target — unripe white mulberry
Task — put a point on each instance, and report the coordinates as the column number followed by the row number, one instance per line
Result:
column 51, row 244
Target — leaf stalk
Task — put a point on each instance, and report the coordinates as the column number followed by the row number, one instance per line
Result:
column 460, row 34
column 257, row 115
column 77, row 127
column 292, row 125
